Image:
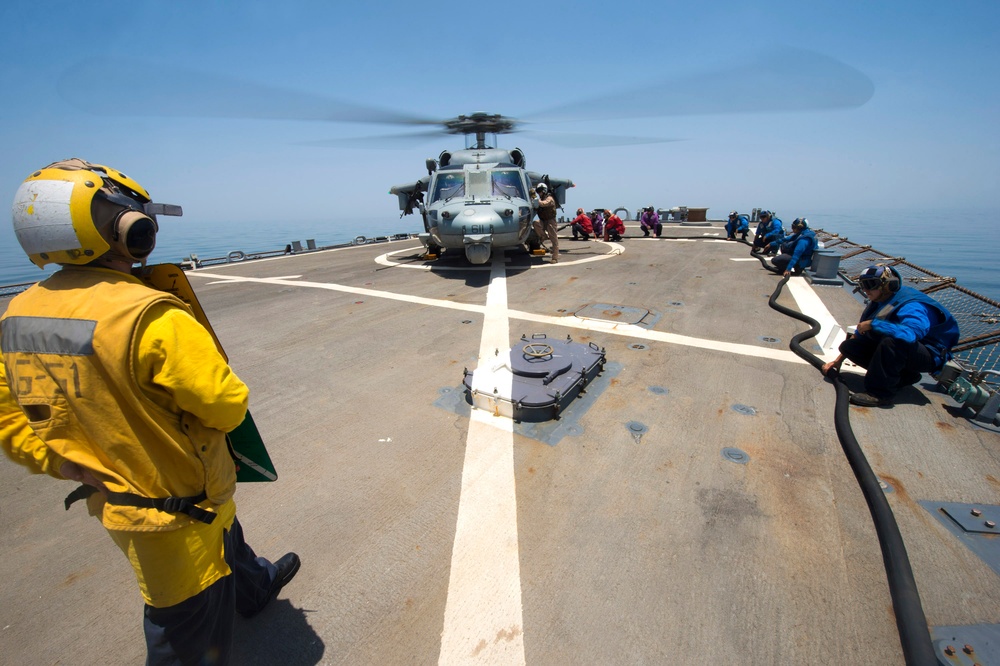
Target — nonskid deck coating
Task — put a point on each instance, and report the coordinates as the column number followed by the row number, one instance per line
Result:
column 648, row 549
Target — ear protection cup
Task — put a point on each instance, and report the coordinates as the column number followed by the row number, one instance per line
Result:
column 134, row 235
column 891, row 279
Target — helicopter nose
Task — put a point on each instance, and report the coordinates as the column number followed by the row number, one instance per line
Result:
column 476, row 220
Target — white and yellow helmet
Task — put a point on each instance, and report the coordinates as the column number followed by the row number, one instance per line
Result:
column 73, row 212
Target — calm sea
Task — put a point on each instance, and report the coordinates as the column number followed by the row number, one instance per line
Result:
column 960, row 244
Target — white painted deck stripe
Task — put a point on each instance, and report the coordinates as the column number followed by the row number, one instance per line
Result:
column 566, row 259
column 608, row 327
column 633, row 331
column 831, row 333
column 483, row 617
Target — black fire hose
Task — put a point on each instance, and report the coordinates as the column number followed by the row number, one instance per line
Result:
column 914, row 636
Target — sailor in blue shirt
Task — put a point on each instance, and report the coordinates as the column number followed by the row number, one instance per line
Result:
column 902, row 333
column 737, row 224
column 768, row 230
column 796, row 250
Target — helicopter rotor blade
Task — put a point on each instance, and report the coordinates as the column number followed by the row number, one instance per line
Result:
column 583, row 140
column 155, row 89
column 777, row 81
column 785, row 79
column 405, row 139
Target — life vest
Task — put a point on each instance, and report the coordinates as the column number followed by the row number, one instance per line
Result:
column 69, row 345
column 939, row 339
column 547, row 208
column 806, row 240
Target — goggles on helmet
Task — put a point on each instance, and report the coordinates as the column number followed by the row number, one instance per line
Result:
column 868, row 284
column 873, row 277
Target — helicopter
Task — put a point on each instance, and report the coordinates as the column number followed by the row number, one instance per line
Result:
column 480, row 198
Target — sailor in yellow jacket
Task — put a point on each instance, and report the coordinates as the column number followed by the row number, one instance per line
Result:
column 116, row 385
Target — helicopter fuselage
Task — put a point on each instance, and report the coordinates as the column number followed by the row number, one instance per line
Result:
column 477, row 200
column 476, row 207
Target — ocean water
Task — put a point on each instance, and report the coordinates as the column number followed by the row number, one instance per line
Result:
column 955, row 243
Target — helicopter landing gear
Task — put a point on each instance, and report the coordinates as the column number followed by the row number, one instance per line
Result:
column 433, row 252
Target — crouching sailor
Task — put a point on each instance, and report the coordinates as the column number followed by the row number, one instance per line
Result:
column 902, row 333
column 108, row 382
column 737, row 224
column 769, row 229
column 795, row 250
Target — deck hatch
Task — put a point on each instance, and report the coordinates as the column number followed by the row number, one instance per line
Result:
column 544, row 375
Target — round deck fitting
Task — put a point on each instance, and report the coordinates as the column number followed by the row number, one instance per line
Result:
column 637, row 428
column 658, row 390
column 745, row 410
column 735, row 455
column 638, row 346
column 769, row 339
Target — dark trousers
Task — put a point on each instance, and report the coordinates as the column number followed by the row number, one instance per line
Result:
column 781, row 262
column 578, row 231
column 891, row 363
column 199, row 630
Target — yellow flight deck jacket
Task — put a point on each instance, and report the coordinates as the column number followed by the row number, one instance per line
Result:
column 103, row 371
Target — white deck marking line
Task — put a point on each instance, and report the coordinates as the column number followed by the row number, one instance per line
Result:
column 483, row 612
column 743, row 259
column 610, row 327
column 386, row 260
column 633, row 331
column 193, row 271
column 831, row 334
column 360, row 291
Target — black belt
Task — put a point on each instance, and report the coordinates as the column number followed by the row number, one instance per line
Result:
column 185, row 505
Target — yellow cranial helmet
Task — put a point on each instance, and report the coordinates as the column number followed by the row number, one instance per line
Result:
column 73, row 212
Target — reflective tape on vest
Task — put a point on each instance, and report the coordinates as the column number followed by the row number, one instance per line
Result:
column 48, row 335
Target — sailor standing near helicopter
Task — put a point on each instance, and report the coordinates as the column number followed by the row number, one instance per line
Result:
column 546, row 206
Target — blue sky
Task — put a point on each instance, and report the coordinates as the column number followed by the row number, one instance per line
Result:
column 927, row 138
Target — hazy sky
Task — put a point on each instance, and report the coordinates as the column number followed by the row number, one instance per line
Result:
column 928, row 137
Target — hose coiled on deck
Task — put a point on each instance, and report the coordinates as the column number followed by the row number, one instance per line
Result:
column 914, row 636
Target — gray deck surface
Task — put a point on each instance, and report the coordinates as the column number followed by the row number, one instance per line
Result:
column 631, row 550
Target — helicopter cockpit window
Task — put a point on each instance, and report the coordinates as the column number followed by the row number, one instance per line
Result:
column 449, row 185
column 508, row 184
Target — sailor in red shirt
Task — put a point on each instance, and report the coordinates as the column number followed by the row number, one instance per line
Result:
column 613, row 226
column 582, row 226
